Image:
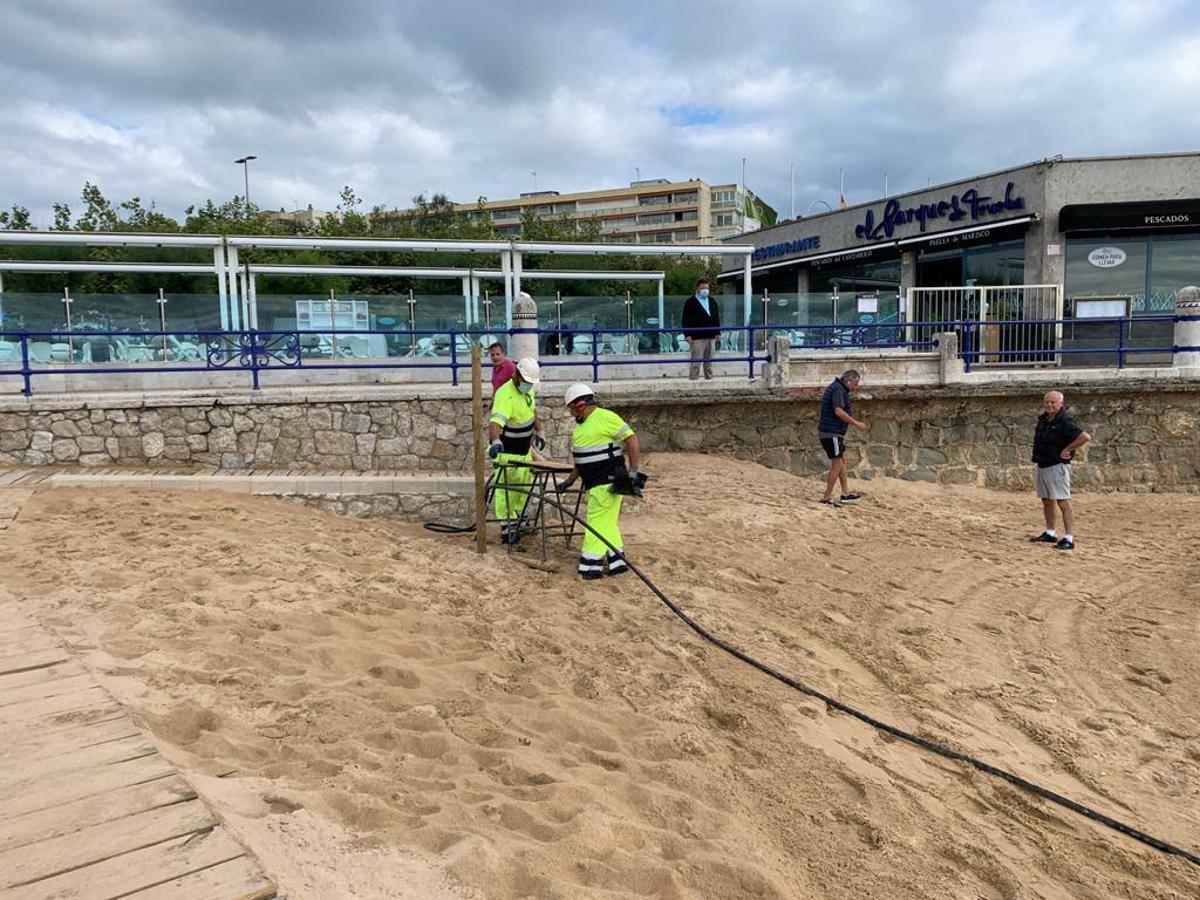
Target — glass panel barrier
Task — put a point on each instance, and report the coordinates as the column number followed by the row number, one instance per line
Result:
column 32, row 311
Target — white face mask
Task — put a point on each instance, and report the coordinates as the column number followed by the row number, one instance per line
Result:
column 703, row 295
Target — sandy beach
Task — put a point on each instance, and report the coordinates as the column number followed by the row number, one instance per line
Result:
column 377, row 712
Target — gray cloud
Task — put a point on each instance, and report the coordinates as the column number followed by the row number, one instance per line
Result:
column 157, row 98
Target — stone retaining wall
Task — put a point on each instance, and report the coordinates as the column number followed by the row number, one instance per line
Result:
column 1146, row 440
column 1146, row 433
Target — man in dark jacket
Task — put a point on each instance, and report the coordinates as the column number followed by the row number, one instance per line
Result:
column 701, row 323
column 831, row 430
column 1055, row 441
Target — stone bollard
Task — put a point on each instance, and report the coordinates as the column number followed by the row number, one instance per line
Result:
column 777, row 373
column 524, row 324
column 950, row 366
column 1187, row 329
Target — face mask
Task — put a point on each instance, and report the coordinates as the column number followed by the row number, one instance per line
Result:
column 703, row 295
column 524, row 388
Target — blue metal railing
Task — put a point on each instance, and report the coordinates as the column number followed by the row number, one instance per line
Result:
column 999, row 341
column 60, row 352
column 1011, row 339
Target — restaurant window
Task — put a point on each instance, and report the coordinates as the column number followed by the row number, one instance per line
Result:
column 987, row 264
column 1174, row 263
column 881, row 275
column 1099, row 266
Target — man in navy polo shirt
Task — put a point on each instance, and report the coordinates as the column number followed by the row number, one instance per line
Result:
column 1055, row 441
column 835, row 422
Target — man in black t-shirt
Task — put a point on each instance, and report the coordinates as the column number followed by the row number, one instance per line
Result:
column 1055, row 441
column 835, row 420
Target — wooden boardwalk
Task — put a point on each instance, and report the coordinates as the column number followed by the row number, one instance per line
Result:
column 88, row 806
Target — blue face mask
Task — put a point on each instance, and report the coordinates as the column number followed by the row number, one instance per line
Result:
column 524, row 388
column 703, row 295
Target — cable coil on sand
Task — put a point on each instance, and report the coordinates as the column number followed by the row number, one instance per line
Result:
column 832, row 703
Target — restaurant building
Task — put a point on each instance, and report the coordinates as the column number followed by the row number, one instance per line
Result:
column 1121, row 230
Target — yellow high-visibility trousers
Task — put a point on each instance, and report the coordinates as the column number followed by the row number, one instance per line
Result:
column 603, row 514
column 510, row 504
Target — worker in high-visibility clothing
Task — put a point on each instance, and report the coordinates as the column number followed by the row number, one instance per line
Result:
column 514, row 427
column 605, row 452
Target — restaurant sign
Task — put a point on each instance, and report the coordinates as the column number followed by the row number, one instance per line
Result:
column 969, row 205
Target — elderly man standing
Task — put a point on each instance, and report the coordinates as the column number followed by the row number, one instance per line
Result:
column 1055, row 441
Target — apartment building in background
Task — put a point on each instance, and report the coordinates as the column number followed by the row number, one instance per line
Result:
column 298, row 218
column 655, row 211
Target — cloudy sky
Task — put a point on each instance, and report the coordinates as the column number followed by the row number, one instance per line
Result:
column 156, row 98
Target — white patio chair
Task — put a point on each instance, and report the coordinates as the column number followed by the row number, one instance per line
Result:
column 426, row 347
column 9, row 351
column 358, row 347
column 182, row 351
column 39, row 351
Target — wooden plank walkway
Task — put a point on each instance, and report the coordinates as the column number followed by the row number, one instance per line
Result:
column 88, row 806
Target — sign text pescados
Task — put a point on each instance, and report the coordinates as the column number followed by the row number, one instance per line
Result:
column 969, row 204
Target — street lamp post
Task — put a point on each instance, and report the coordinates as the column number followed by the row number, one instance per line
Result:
column 244, row 162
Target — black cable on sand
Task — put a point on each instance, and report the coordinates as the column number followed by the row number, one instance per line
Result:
column 916, row 740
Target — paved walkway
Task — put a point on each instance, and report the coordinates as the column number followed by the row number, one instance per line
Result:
column 252, row 481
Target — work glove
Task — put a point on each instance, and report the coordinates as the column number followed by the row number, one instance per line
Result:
column 496, row 449
column 539, row 441
column 569, row 483
column 638, row 482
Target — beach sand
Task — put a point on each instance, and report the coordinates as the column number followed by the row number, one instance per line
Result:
column 378, row 712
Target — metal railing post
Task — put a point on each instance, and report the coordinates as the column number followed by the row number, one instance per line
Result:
column 750, row 342
column 1120, row 343
column 333, row 324
column 162, row 320
column 67, row 301
column 967, row 345
column 25, row 370
column 595, row 356
column 454, row 357
column 254, row 366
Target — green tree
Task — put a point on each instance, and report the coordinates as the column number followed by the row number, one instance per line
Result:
column 135, row 217
column 62, row 217
column 98, row 214
column 17, row 220
column 233, row 216
column 349, row 220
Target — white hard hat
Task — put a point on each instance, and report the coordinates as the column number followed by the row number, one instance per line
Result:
column 577, row 390
column 530, row 372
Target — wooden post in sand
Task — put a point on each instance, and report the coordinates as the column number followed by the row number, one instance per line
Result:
column 477, row 426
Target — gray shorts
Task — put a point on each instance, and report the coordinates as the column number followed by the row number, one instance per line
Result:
column 1054, row 482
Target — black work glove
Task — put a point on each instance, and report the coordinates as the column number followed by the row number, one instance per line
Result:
column 496, row 449
column 568, row 484
column 539, row 442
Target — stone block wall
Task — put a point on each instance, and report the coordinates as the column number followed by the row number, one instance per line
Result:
column 405, row 434
column 1147, row 435
column 1141, row 439
column 432, row 507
